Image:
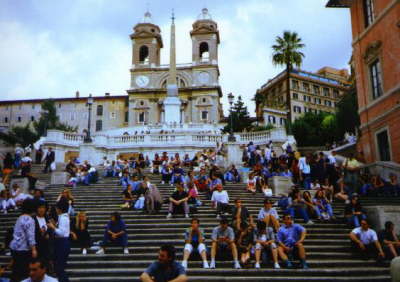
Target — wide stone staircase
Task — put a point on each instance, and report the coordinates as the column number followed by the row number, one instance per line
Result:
column 327, row 244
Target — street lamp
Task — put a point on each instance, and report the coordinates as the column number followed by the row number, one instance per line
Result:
column 89, row 104
column 231, row 137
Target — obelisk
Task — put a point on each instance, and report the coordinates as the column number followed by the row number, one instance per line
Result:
column 172, row 104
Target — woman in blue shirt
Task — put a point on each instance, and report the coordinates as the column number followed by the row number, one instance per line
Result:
column 115, row 233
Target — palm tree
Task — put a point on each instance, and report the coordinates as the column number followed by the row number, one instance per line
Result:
column 286, row 52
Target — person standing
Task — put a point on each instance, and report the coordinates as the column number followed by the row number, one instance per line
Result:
column 49, row 158
column 23, row 244
column 166, row 268
column 61, row 244
column 39, row 155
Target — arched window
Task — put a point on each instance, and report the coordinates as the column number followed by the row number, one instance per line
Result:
column 144, row 54
column 203, row 51
column 99, row 110
column 179, row 81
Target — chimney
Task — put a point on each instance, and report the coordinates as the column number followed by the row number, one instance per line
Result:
column 107, row 94
column 77, row 94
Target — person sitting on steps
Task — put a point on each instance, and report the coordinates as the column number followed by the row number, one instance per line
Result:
column 194, row 240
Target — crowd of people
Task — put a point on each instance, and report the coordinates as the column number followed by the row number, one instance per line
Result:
column 42, row 235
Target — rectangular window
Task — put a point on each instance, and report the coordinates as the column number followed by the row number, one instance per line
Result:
column 316, row 90
column 326, row 92
column 306, row 87
column 126, row 116
column 295, row 84
column 382, row 139
column 297, row 109
column 141, row 117
column 19, row 119
column 319, row 101
column 112, row 115
column 295, row 96
column 99, row 125
column 6, row 119
column 72, row 116
column 204, row 115
column 99, row 110
column 33, row 107
column 368, row 12
column 282, row 121
column 336, row 93
column 59, row 105
column 305, row 98
column 32, row 118
column 376, row 79
column 19, row 107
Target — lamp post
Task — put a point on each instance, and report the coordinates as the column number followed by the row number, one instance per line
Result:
column 231, row 137
column 89, row 103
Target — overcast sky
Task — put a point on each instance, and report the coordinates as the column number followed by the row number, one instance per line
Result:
column 53, row 48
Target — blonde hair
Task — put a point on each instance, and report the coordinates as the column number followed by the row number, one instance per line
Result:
column 69, row 194
column 77, row 219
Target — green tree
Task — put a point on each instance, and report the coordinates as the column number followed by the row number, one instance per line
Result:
column 31, row 132
column 286, row 52
column 347, row 116
column 240, row 118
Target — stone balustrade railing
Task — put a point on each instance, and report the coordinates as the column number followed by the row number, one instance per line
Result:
column 170, row 139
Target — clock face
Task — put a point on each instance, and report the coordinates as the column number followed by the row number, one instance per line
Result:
column 204, row 77
column 142, row 81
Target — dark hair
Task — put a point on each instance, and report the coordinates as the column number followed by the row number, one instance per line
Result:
column 287, row 216
column 117, row 216
column 40, row 261
column 267, row 201
column 28, row 206
column 170, row 251
column 261, row 225
column 224, row 220
column 237, row 200
column 388, row 224
column 195, row 219
column 63, row 205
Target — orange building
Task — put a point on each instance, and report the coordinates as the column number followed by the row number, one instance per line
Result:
column 376, row 58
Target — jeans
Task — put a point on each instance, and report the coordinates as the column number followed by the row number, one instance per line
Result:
column 120, row 241
column 300, row 210
column 173, row 208
column 61, row 253
column 327, row 208
column 307, row 181
column 354, row 220
column 20, row 268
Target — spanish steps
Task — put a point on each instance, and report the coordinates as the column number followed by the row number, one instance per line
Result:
column 327, row 244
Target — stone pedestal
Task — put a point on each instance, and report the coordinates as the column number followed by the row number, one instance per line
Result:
column 234, row 154
column 280, row 185
column 395, row 269
column 378, row 215
column 87, row 151
column 59, row 177
column 172, row 108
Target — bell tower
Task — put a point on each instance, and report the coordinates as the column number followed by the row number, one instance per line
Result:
column 146, row 43
column 205, row 39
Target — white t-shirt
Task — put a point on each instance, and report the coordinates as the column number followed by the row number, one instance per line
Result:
column 220, row 197
column 42, row 222
column 46, row 278
column 332, row 160
column 366, row 236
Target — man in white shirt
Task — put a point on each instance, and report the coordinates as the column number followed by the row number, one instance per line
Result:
column 37, row 272
column 220, row 200
column 305, row 171
column 332, row 158
column 365, row 242
column 61, row 244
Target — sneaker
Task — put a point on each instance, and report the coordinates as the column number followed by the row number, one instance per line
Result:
column 169, row 215
column 310, row 222
column 162, row 182
column 257, row 265
column 212, row 264
column 205, row 264
column 84, row 252
column 184, row 264
column 8, row 254
column 186, row 215
column 237, row 265
column 126, row 251
column 100, row 252
column 218, row 216
column 276, row 265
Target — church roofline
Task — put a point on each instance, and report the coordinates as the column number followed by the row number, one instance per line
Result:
column 164, row 90
column 39, row 100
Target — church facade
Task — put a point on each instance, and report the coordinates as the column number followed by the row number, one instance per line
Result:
column 199, row 91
